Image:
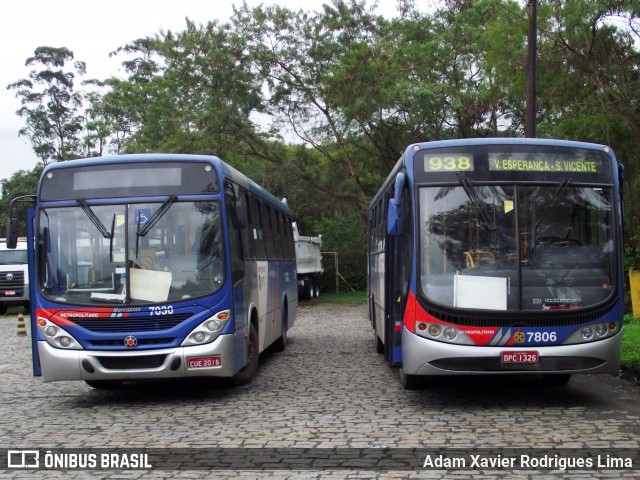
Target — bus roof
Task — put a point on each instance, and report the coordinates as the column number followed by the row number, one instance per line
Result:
column 223, row 168
column 504, row 141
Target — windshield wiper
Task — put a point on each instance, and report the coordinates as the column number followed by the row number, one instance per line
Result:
column 95, row 220
column 142, row 232
column 99, row 225
column 157, row 216
column 476, row 202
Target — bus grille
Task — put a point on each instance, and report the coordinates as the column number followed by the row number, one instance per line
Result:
column 493, row 364
column 132, row 363
column 130, row 324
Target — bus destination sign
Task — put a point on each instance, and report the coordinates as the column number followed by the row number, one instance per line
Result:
column 499, row 162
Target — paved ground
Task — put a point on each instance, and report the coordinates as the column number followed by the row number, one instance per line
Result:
column 328, row 390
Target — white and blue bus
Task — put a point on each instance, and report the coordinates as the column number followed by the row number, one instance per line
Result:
column 157, row 266
column 498, row 256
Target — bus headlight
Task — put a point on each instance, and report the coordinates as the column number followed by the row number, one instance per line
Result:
column 592, row 333
column 57, row 336
column 450, row 333
column 50, row 331
column 601, row 330
column 442, row 332
column 208, row 330
column 435, row 330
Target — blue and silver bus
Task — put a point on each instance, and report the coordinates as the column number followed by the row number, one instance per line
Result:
column 498, row 256
column 157, row 266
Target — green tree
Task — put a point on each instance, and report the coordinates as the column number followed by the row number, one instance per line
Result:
column 190, row 91
column 50, row 104
column 316, row 67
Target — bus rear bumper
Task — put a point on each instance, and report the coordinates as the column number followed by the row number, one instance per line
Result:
column 58, row 364
column 421, row 356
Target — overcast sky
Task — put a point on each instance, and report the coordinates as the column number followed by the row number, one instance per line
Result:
column 92, row 29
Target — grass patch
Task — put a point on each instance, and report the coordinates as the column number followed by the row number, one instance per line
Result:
column 631, row 343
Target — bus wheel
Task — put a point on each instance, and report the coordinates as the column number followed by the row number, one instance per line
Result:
column 409, row 382
column 556, row 380
column 245, row 374
column 379, row 343
column 3, row 309
column 316, row 287
column 281, row 343
column 104, row 384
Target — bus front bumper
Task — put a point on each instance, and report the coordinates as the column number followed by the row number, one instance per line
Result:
column 58, row 364
column 421, row 356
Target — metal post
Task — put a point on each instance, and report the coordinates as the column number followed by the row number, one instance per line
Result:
column 337, row 275
column 530, row 120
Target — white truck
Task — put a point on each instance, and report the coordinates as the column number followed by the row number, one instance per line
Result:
column 308, row 264
column 14, row 276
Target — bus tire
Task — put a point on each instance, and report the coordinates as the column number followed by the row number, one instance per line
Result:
column 281, row 343
column 379, row 343
column 104, row 384
column 3, row 308
column 409, row 382
column 556, row 380
column 316, row 287
column 245, row 374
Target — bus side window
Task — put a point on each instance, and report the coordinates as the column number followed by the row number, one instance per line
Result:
column 268, row 232
column 258, row 228
column 248, row 230
column 235, row 235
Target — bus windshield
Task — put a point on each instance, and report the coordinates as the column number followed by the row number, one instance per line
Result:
column 516, row 247
column 133, row 253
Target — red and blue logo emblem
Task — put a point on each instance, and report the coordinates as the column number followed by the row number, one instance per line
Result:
column 130, row 342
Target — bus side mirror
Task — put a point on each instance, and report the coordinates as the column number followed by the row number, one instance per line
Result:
column 395, row 215
column 12, row 222
column 12, row 232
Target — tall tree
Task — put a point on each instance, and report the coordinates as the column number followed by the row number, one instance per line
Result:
column 190, row 91
column 50, row 104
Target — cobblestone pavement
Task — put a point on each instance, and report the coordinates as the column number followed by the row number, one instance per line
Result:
column 329, row 389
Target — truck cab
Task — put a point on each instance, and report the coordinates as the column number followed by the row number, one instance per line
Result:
column 14, row 276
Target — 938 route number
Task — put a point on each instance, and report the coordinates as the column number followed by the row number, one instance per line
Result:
column 448, row 163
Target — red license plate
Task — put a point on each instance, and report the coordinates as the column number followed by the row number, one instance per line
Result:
column 10, row 293
column 204, row 362
column 520, row 357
